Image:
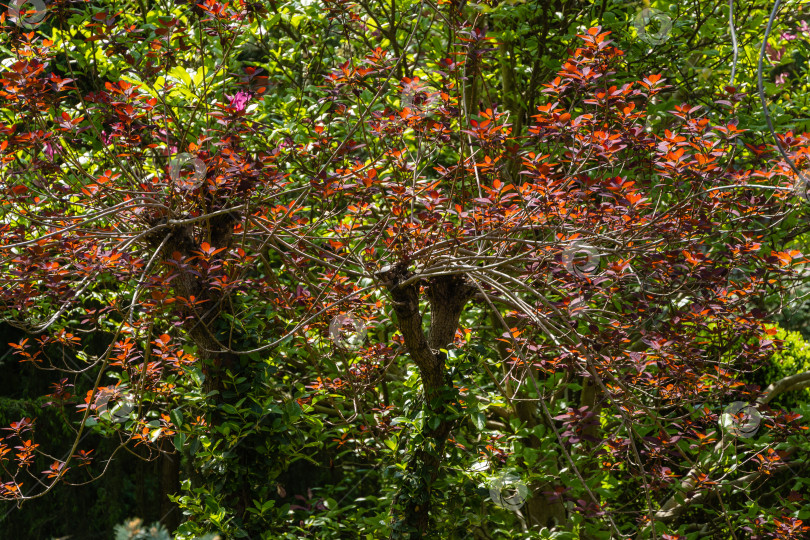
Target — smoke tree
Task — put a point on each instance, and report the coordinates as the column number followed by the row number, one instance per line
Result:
column 378, row 272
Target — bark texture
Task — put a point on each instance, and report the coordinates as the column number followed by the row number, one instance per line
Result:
column 447, row 296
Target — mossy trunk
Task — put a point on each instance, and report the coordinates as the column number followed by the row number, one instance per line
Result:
column 447, row 295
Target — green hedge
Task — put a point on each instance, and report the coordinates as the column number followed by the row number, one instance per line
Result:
column 794, row 358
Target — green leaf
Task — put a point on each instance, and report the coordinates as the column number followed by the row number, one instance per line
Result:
column 177, row 417
column 179, row 441
column 228, row 408
column 179, row 72
column 196, row 375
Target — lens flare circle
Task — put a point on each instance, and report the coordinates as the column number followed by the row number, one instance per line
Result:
column 572, row 255
column 741, row 420
column 337, row 332
column 647, row 16
column 508, row 491
column 16, row 13
column 117, row 412
column 419, row 97
column 177, row 164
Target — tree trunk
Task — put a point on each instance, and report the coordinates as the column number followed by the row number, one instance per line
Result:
column 169, row 485
column 447, row 295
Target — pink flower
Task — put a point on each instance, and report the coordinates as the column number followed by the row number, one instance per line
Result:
column 804, row 27
column 239, row 101
column 781, row 79
column 50, row 149
column 773, row 54
column 788, row 36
